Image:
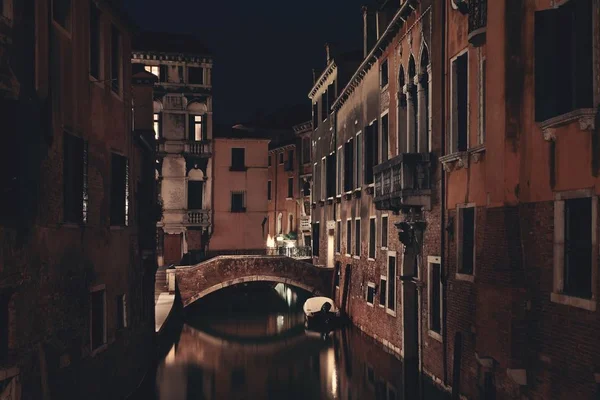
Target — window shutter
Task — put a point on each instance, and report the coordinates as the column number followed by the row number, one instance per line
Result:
column 369, row 155
column 546, row 23
column 163, row 73
column 191, row 130
column 205, row 127
column 584, row 75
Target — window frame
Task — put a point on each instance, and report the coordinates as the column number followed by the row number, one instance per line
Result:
column 453, row 142
column 370, row 285
column 338, row 237
column 384, row 81
column 381, row 150
column 203, row 74
column 290, row 188
column 157, row 125
column 388, row 310
column 460, row 241
column 269, row 190
column 373, row 238
column 358, row 160
column 238, row 166
column 434, row 260
column 242, row 209
column 387, row 224
column 349, row 241
column 357, row 238
column 104, row 344
column 558, row 295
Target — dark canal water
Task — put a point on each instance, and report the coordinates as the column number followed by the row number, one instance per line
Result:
column 248, row 342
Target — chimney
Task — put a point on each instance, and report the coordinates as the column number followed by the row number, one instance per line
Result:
column 369, row 29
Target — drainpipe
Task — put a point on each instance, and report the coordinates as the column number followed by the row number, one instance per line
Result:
column 444, row 268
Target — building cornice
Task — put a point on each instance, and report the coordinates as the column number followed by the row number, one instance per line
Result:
column 303, row 127
column 279, row 149
column 172, row 57
column 322, row 79
column 393, row 27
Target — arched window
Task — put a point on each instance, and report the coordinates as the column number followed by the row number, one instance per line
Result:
column 195, row 189
column 413, row 108
column 279, row 224
column 401, row 123
column 424, row 101
column 290, row 223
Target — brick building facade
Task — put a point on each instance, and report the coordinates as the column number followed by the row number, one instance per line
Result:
column 76, row 268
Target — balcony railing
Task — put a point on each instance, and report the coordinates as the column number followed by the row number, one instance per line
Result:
column 197, row 218
column 477, row 21
column 404, row 180
column 292, row 252
column 305, row 223
column 199, row 148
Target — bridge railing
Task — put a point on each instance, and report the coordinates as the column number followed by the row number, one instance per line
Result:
column 292, row 252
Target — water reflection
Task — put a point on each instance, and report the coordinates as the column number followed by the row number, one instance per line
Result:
column 256, row 349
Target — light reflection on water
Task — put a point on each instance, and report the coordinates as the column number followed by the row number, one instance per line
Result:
column 266, row 354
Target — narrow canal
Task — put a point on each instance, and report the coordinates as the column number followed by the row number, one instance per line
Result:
column 248, row 342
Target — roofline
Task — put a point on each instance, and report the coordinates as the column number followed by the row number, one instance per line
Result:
column 322, row 78
column 302, row 127
column 392, row 28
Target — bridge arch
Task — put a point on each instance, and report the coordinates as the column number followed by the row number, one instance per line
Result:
column 195, row 282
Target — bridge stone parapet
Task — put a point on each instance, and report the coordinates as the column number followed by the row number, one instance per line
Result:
column 197, row 281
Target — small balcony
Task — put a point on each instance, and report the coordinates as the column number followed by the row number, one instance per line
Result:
column 199, row 148
column 292, row 252
column 477, row 22
column 305, row 223
column 403, row 181
column 197, row 218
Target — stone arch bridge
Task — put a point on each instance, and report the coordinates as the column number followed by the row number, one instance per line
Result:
column 197, row 281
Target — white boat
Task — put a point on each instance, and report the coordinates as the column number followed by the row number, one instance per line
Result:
column 320, row 313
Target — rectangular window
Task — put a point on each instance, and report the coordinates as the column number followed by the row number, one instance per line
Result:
column 306, row 156
column 460, row 103
column 370, row 293
column 270, row 161
column 357, row 237
column 578, row 248
column 95, row 47
column 359, row 157
column 384, row 74
column 338, row 237
column 98, row 319
column 153, row 69
column 331, row 175
column 121, row 312
column 315, row 239
column 75, row 179
column 157, row 123
column 324, row 106
column 61, row 13
column 290, row 191
column 371, row 151
column 337, row 273
column 195, row 195
column 330, row 95
column 384, row 232
column 280, row 158
column 115, row 59
column 238, row 204
column 315, row 115
column 391, row 300
column 269, row 190
column 385, row 132
column 348, row 237
column 119, row 188
column 238, row 159
column 348, row 165
column 372, row 238
column 196, row 75
column 563, row 59
column 435, row 295
column 197, row 130
column 164, row 74
column 466, row 240
column 289, row 164
column 339, row 170
column 383, row 288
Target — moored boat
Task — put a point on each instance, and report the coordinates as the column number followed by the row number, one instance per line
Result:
column 321, row 314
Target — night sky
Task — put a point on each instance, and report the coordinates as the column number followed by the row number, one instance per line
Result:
column 264, row 50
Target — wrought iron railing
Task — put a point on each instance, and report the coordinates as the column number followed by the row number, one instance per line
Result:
column 477, row 21
column 292, row 252
column 403, row 176
column 198, row 217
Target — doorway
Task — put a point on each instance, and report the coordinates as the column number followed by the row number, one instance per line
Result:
column 172, row 248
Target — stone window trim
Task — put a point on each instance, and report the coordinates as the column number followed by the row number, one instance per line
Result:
column 459, row 241
column 370, row 285
column 388, row 310
column 584, row 116
column 453, row 117
column 557, row 295
column 103, row 347
column 434, row 335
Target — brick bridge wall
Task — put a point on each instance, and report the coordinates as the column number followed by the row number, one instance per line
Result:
column 195, row 282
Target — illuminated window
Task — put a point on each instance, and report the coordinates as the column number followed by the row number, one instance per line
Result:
column 153, row 69
column 157, row 125
column 197, row 128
